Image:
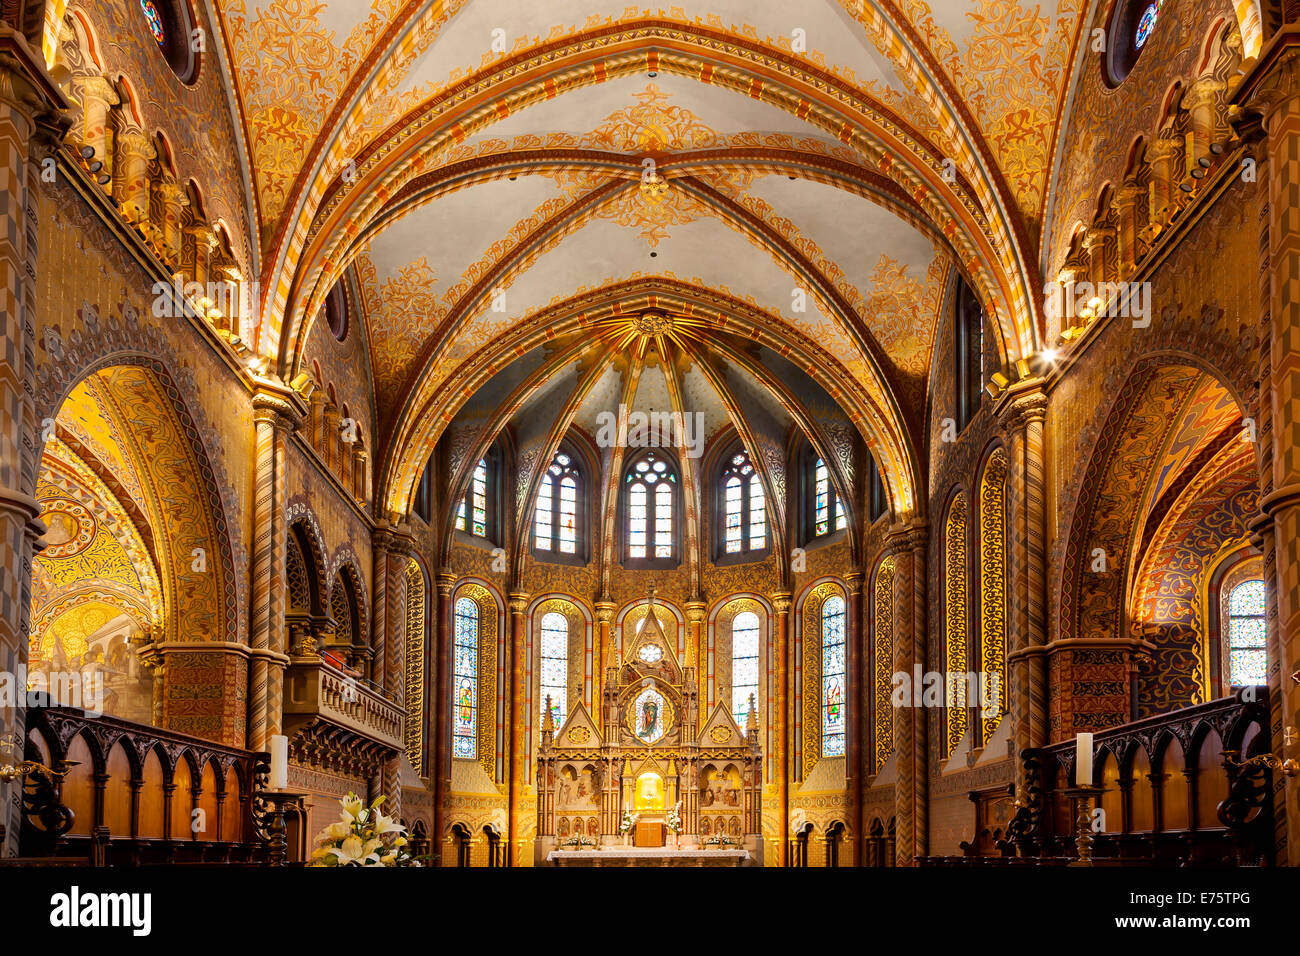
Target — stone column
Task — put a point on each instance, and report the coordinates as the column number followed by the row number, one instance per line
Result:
column 277, row 411
column 1024, row 417
column 97, row 96
column 440, row 705
column 1273, row 88
column 27, row 95
column 523, row 810
column 695, row 651
column 781, row 735
column 858, row 696
column 171, row 200
column 603, row 655
column 1163, row 155
column 1126, row 209
column 133, row 152
column 1201, row 101
column 911, row 729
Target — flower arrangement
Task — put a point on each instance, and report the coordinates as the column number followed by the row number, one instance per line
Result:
column 721, row 840
column 578, row 841
column 627, row 823
column 674, row 821
column 362, row 837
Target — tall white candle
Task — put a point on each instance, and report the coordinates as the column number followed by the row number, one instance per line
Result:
column 279, row 762
column 1083, row 760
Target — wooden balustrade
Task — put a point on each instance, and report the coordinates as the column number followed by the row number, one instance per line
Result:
column 137, row 795
column 1174, row 791
column 317, row 690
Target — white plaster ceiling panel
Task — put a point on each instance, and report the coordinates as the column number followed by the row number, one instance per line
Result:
column 592, row 115
column 603, row 397
column 652, row 391
column 828, row 37
column 699, row 396
column 704, row 250
column 455, row 231
column 533, row 424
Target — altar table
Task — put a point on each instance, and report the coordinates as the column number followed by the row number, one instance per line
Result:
column 648, row 856
column 649, row 833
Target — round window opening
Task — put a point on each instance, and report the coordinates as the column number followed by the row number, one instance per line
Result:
column 1131, row 27
column 336, row 312
column 171, row 27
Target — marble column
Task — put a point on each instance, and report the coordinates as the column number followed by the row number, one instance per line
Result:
column 28, row 97
column 277, row 411
column 523, row 810
column 1024, row 417
column 911, row 728
column 779, row 854
column 1272, row 90
column 440, row 704
column 857, row 697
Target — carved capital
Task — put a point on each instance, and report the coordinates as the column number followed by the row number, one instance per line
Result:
column 518, row 601
column 781, row 601
column 908, row 538
column 605, row 611
column 445, row 582
column 1025, row 410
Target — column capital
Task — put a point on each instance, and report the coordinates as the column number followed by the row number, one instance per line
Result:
column 1025, row 409
column 97, row 87
column 518, row 601
column 605, row 611
column 1275, row 77
column 395, row 539
column 278, row 405
column 695, row 611
column 25, row 83
column 907, row 537
column 781, row 601
column 445, row 582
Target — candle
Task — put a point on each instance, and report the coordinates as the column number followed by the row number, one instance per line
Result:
column 1083, row 760
column 279, row 762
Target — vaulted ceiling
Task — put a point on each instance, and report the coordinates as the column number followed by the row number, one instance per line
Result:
column 803, row 179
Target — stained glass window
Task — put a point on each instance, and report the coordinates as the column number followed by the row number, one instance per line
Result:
column 472, row 515
column 555, row 666
column 744, row 664
column 1146, row 23
column 465, row 704
column 155, row 21
column 827, row 517
column 649, row 480
column 555, row 521
column 744, row 506
column 833, row 677
column 1247, row 657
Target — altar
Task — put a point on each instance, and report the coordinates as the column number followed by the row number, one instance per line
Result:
column 647, row 770
column 640, row 856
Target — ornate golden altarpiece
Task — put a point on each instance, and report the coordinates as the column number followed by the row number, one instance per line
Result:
column 650, row 754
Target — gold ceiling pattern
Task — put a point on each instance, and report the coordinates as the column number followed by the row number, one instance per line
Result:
column 482, row 162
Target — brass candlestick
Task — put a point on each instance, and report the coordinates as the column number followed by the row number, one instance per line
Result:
column 1083, row 821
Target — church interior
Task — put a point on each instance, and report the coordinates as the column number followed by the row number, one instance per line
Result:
column 844, row 433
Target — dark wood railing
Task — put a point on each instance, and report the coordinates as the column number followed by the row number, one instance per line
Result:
column 1174, row 791
column 137, row 795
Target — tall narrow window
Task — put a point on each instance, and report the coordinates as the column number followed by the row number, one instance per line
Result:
column 472, row 515
column 650, row 488
column 744, row 664
column 833, row 697
column 742, row 507
column 555, row 666
column 465, row 701
column 968, row 347
column 423, row 505
column 555, row 520
column 877, row 502
column 1247, row 656
column 827, row 509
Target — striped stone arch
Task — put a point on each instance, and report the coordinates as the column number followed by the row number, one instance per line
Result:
column 122, row 339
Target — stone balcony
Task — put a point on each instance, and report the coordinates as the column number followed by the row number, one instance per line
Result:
column 327, row 710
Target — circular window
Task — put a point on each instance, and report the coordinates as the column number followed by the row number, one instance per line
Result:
column 336, row 312
column 1131, row 26
column 170, row 25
